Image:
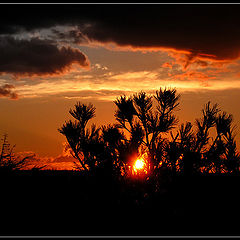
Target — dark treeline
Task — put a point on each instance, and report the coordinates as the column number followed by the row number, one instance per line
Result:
column 189, row 184
column 149, row 123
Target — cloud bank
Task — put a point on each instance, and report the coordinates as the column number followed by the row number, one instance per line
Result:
column 207, row 30
column 37, row 57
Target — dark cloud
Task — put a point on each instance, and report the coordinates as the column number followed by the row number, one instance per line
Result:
column 205, row 30
column 7, row 91
column 71, row 36
column 37, row 57
column 210, row 30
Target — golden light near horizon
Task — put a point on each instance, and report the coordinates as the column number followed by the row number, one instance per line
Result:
column 140, row 165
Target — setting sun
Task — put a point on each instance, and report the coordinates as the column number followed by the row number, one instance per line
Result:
column 139, row 164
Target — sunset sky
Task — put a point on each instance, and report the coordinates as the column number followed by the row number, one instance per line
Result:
column 52, row 56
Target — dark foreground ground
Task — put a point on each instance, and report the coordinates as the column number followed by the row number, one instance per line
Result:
column 66, row 203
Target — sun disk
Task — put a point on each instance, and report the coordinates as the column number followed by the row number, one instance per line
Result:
column 139, row 164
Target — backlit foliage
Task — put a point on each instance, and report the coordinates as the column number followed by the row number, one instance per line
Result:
column 147, row 126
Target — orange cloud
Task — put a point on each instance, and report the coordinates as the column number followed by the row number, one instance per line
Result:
column 61, row 162
column 6, row 91
column 192, row 75
column 167, row 65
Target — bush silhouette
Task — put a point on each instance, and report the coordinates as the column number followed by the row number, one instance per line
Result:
column 145, row 124
column 8, row 160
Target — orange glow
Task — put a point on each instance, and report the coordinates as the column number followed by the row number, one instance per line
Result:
column 139, row 164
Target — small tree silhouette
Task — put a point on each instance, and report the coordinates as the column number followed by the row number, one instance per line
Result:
column 225, row 142
column 8, row 160
column 84, row 142
column 198, row 152
column 113, row 140
column 136, row 115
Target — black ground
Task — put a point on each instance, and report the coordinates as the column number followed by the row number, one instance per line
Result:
column 66, row 203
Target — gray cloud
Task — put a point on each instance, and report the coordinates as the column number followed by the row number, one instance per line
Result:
column 37, row 57
column 72, row 36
